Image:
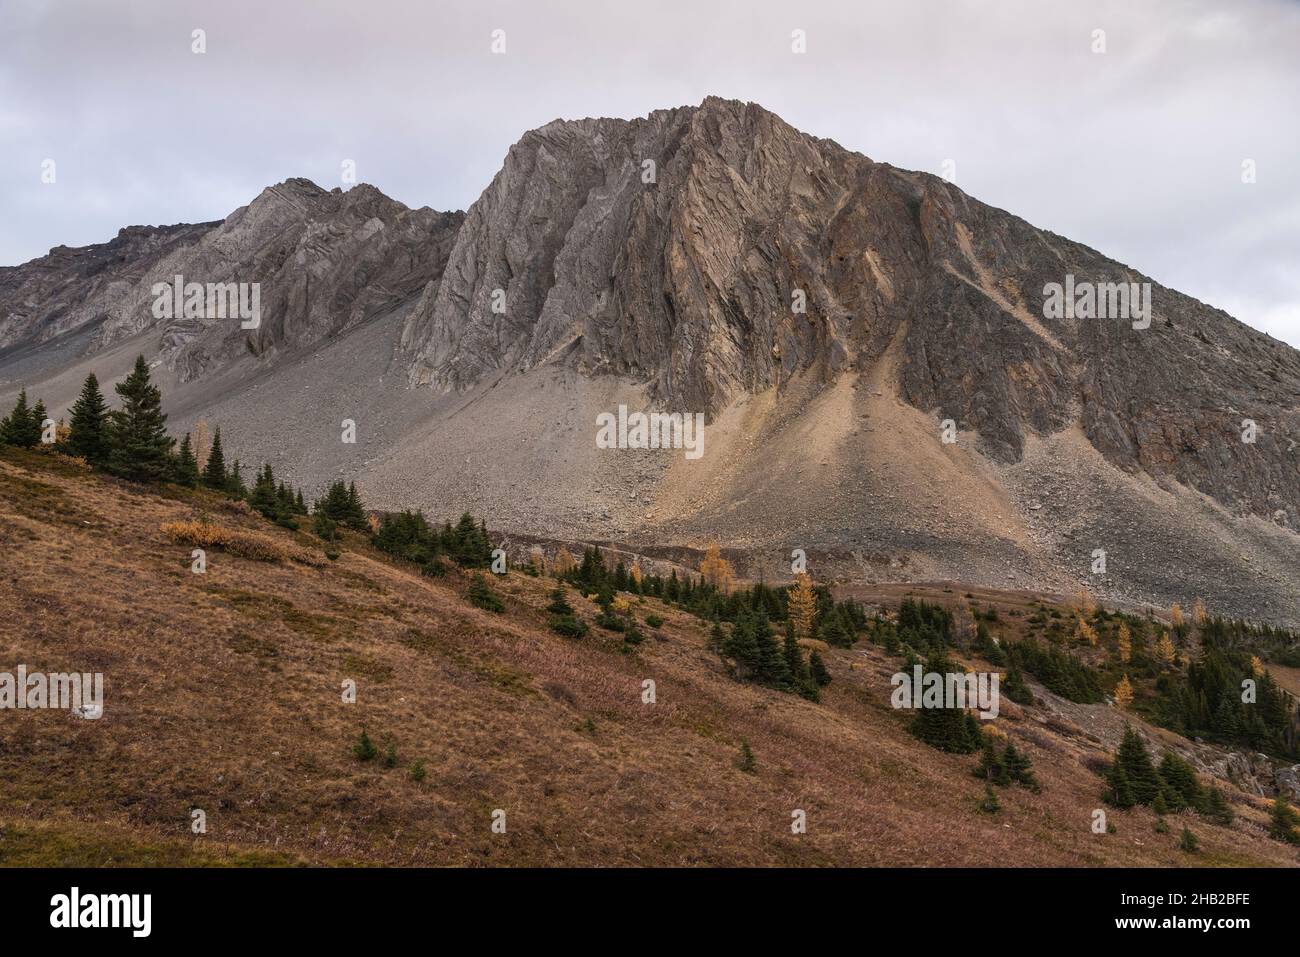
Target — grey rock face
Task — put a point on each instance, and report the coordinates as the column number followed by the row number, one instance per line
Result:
column 687, row 284
column 71, row 288
column 324, row 261
column 1288, row 782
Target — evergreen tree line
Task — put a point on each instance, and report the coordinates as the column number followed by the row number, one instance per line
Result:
column 1057, row 669
column 1208, row 703
column 132, row 442
column 1133, row 778
column 760, row 656
column 836, row 622
column 409, row 535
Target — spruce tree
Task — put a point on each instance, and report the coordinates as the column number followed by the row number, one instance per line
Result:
column 1019, row 768
column 1132, row 756
column 481, row 595
column 768, row 660
column 1118, row 792
column 739, row 646
column 214, row 473
column 39, row 415
column 717, row 638
column 262, row 497
column 991, row 767
column 20, row 427
column 820, row 674
column 187, row 467
column 356, row 513
column 990, row 804
column 1215, row 807
column 89, row 423
column 139, row 446
column 235, row 481
column 1284, row 822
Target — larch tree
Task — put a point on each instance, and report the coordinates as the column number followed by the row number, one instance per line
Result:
column 716, row 570
column 1124, row 693
column 1125, row 643
column 1165, row 648
column 803, row 606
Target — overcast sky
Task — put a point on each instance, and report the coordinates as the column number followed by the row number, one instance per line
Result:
column 1136, row 151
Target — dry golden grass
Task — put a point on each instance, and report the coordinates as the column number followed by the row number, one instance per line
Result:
column 265, row 548
column 224, row 693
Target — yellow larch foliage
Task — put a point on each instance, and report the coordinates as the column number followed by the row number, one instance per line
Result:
column 1198, row 613
column 1256, row 665
column 803, row 606
column 1125, row 641
column 716, row 570
column 1124, row 693
column 1176, row 615
column 1084, row 602
column 1085, row 632
column 1165, row 648
column 635, row 572
column 563, row 561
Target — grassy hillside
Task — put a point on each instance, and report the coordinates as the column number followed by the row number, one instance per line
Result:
column 223, row 692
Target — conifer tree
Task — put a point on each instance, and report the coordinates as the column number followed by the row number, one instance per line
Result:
column 262, row 496
column 717, row 638
column 950, row 729
column 139, row 446
column 820, row 674
column 768, row 658
column 990, row 804
column 1124, row 643
column 214, row 473
column 991, row 767
column 1124, row 693
column 1119, row 793
column 559, row 603
column 1180, row 778
column 187, row 468
column 1018, row 768
column 800, row 674
column 481, row 595
column 21, row 427
column 803, row 606
column 1132, row 756
column 89, row 423
column 1284, row 822
column 1215, row 807
column 235, row 479
column 739, row 645
column 39, row 417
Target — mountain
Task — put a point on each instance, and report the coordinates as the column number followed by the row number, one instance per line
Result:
column 324, row 261
column 657, row 263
